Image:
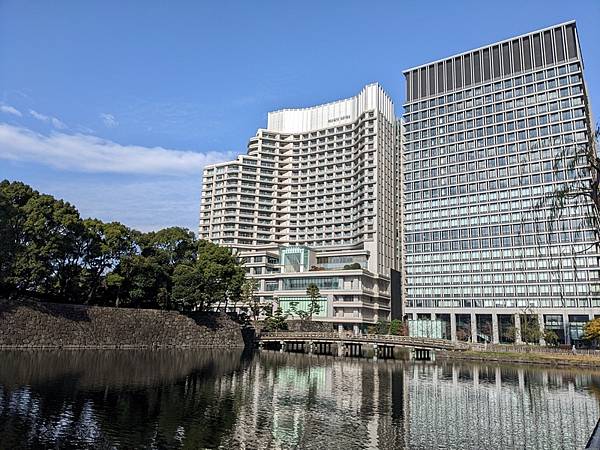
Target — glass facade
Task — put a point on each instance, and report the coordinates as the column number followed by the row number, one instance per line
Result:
column 271, row 285
column 339, row 262
column 291, row 284
column 489, row 137
column 289, row 304
column 295, row 259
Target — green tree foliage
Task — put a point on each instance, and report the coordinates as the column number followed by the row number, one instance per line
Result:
column 172, row 246
column 530, row 330
column 294, row 311
column 382, row 327
column 143, row 280
column 11, row 199
column 314, row 298
column 276, row 321
column 249, row 298
column 104, row 245
column 47, row 250
column 214, row 278
column 48, row 260
column 149, row 274
column 551, row 338
column 396, row 327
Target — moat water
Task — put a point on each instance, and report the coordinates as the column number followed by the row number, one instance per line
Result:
column 229, row 399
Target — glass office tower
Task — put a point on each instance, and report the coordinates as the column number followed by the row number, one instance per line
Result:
column 488, row 136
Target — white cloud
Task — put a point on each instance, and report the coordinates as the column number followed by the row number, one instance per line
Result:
column 142, row 202
column 56, row 123
column 85, row 153
column 39, row 116
column 109, row 120
column 10, row 110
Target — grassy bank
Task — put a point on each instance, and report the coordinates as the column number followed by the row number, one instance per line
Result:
column 527, row 358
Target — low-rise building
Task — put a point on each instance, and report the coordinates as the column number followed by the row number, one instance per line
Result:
column 351, row 296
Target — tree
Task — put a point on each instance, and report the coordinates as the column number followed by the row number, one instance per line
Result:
column 190, row 291
column 486, row 331
column 530, row 330
column 224, row 273
column 551, row 338
column 302, row 315
column 165, row 250
column 142, row 281
column 591, row 331
column 276, row 321
column 9, row 235
column 104, row 245
column 49, row 262
column 215, row 277
column 249, row 298
column 463, row 332
column 147, row 263
column 382, row 327
column 314, row 298
column 173, row 246
column 396, row 327
column 114, row 281
column 583, row 167
column 577, row 166
column 48, row 251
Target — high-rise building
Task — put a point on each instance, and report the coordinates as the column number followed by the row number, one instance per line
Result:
column 314, row 201
column 488, row 137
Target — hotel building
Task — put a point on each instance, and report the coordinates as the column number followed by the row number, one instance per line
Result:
column 488, row 136
column 314, row 200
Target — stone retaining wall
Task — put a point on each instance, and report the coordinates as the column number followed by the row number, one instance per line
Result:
column 307, row 325
column 311, row 325
column 29, row 324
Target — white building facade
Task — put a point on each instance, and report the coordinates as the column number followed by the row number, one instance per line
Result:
column 322, row 181
column 487, row 139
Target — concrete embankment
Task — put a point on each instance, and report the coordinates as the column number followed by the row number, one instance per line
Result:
column 29, row 324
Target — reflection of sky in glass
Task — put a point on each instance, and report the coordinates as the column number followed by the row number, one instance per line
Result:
column 292, row 262
column 198, row 399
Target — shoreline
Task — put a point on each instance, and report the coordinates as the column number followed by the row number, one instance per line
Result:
column 532, row 358
column 536, row 358
column 120, row 347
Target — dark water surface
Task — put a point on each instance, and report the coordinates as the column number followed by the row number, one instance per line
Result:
column 229, row 399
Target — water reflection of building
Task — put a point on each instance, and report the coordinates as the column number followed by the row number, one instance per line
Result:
column 493, row 407
column 275, row 400
column 323, row 402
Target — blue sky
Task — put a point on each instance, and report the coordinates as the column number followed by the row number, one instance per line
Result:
column 116, row 106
